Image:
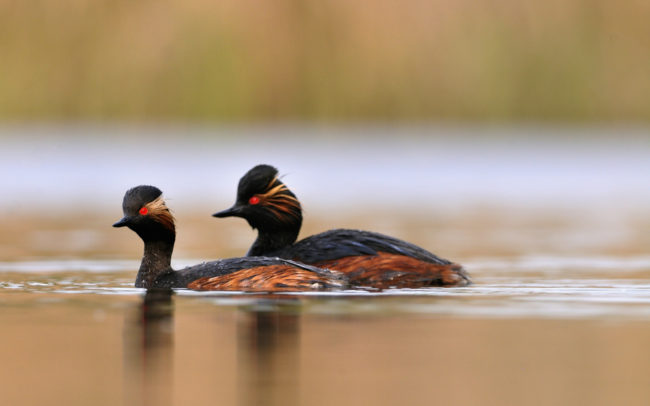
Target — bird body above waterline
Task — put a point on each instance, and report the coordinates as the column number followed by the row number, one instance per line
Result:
column 369, row 259
column 146, row 213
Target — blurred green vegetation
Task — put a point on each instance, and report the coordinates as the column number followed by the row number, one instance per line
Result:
column 241, row 60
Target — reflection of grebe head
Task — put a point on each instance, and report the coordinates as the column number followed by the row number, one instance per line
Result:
column 264, row 201
column 145, row 212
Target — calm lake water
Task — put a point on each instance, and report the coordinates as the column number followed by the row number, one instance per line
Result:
column 554, row 231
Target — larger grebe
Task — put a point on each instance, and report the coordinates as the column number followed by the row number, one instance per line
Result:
column 145, row 213
column 368, row 258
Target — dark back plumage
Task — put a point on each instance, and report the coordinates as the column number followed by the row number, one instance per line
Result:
column 339, row 243
column 318, row 278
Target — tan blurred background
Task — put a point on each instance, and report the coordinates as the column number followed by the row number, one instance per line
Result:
column 254, row 60
column 508, row 136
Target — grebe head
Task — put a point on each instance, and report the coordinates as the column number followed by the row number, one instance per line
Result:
column 145, row 213
column 264, row 201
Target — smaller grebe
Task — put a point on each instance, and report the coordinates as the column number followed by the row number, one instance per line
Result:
column 145, row 213
column 367, row 258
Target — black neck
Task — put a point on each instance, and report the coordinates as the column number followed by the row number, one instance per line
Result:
column 156, row 261
column 269, row 242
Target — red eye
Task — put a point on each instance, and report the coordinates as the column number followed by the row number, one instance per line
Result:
column 144, row 211
column 254, row 200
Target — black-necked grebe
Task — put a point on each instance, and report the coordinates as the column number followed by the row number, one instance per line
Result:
column 367, row 258
column 146, row 213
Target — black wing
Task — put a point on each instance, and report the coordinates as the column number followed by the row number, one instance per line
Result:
column 339, row 243
column 183, row 277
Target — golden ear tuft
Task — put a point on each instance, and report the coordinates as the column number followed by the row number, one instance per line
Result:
column 160, row 212
column 279, row 200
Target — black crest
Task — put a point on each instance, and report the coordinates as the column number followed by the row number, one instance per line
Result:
column 139, row 196
column 256, row 181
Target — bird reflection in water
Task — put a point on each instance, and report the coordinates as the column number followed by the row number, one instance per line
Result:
column 268, row 351
column 149, row 345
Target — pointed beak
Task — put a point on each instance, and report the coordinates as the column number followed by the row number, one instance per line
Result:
column 234, row 211
column 124, row 221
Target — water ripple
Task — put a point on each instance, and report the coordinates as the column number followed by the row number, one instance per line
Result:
column 533, row 286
